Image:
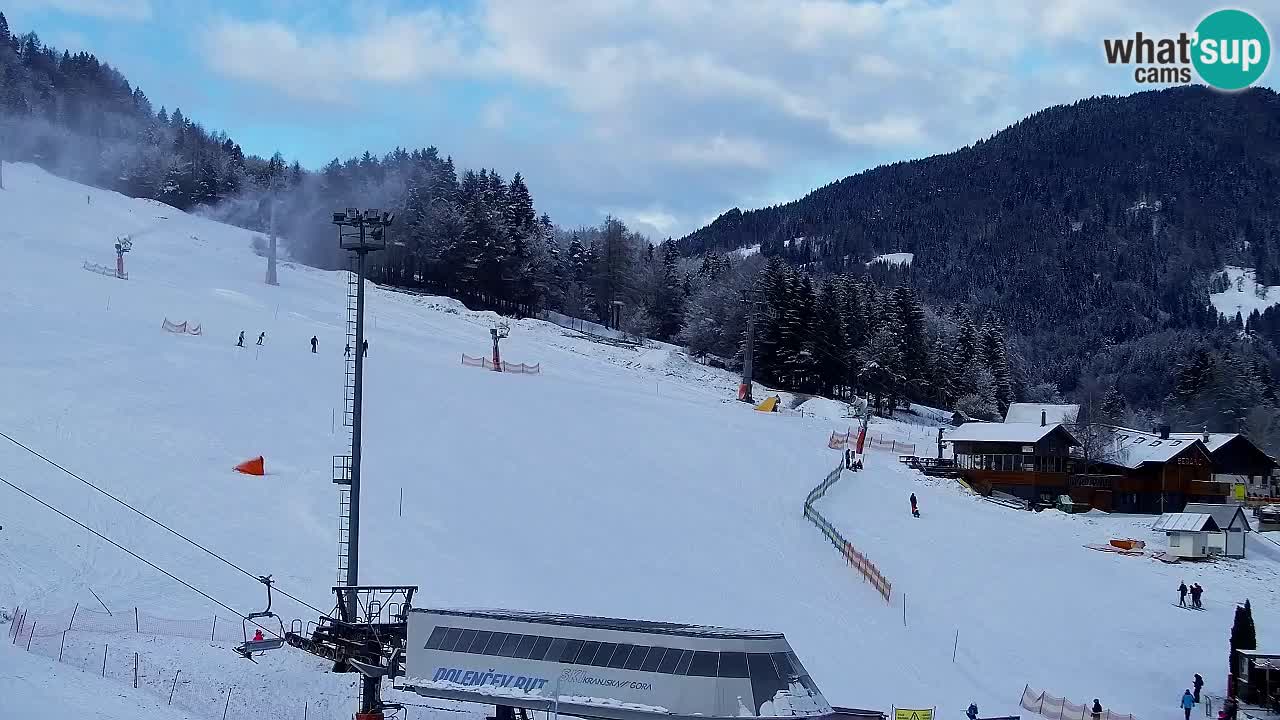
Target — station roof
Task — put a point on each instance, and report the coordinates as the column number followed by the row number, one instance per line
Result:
column 603, row 623
column 1008, row 432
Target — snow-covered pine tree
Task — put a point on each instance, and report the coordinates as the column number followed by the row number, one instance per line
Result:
column 997, row 361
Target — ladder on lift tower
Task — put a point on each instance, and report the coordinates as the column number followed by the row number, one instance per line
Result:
column 342, row 463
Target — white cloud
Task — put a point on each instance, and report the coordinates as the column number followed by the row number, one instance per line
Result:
column 336, row 67
column 706, row 103
column 109, row 9
column 720, row 151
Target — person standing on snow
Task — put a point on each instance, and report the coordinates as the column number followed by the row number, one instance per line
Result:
column 1188, row 702
column 366, row 348
column 314, row 342
column 915, row 509
column 1196, row 685
column 1096, row 710
column 972, row 712
column 1196, row 591
column 261, row 337
column 240, row 342
column 1182, row 594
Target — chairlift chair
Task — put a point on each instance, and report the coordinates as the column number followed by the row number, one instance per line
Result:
column 249, row 647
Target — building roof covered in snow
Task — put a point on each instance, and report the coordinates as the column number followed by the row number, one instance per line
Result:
column 1186, row 522
column 1031, row 413
column 1002, row 432
column 1131, row 448
column 1214, row 441
column 1223, row 514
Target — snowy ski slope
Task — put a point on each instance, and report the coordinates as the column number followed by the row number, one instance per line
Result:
column 617, row 483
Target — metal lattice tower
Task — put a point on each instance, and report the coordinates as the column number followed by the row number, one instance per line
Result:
column 359, row 233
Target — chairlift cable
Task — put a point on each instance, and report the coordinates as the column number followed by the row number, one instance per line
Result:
column 211, row 553
column 138, row 557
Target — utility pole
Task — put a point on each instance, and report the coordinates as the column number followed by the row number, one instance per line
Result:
column 750, row 299
column 360, row 233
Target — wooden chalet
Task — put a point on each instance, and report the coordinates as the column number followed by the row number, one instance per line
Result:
column 1237, row 461
column 1140, row 472
column 1029, row 460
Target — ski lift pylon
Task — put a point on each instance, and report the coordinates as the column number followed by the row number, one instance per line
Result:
column 249, row 647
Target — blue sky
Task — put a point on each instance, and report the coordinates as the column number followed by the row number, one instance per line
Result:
column 663, row 112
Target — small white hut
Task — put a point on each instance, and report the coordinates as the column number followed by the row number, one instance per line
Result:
column 1233, row 525
column 1188, row 533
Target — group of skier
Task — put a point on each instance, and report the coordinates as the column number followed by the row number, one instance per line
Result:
column 1195, row 590
column 315, row 343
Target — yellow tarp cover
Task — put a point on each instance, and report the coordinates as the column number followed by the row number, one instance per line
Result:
column 768, row 405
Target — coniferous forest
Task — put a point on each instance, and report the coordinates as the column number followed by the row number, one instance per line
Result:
column 1068, row 257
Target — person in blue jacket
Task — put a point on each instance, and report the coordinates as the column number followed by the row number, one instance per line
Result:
column 1188, row 702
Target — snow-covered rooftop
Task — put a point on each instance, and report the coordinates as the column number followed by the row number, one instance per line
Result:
column 1001, row 432
column 1185, row 522
column 745, row 252
column 1223, row 514
column 1215, row 441
column 1131, row 448
column 1030, row 413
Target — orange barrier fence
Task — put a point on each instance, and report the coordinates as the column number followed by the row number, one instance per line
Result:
column 487, row 364
column 851, row 554
column 1057, row 708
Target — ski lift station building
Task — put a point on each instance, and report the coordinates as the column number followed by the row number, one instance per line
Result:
column 608, row 669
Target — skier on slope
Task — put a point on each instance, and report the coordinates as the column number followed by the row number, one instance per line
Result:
column 972, row 712
column 347, row 352
column 1196, row 592
column 366, row 348
column 1196, row 684
column 915, row 508
column 1188, row 702
column 240, row 342
column 261, row 336
column 1182, row 594
column 1096, row 711
column 314, row 342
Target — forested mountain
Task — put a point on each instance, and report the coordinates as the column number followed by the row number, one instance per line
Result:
column 1091, row 231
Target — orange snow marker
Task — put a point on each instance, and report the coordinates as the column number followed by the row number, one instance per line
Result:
column 251, row 467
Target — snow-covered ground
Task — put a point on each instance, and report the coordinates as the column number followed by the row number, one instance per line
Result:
column 617, row 482
column 898, row 258
column 1242, row 297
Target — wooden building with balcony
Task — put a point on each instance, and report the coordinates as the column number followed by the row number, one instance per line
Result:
column 1140, row 472
column 1029, row 460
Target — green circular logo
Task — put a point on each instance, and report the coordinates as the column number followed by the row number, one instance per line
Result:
column 1232, row 49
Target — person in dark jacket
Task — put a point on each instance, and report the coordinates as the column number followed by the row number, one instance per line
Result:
column 915, row 508
column 1196, row 592
column 366, row 348
column 314, row 343
column 1188, row 702
column 972, row 712
column 1196, row 685
column 261, row 336
column 240, row 342
column 1096, row 711
column 1182, row 594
